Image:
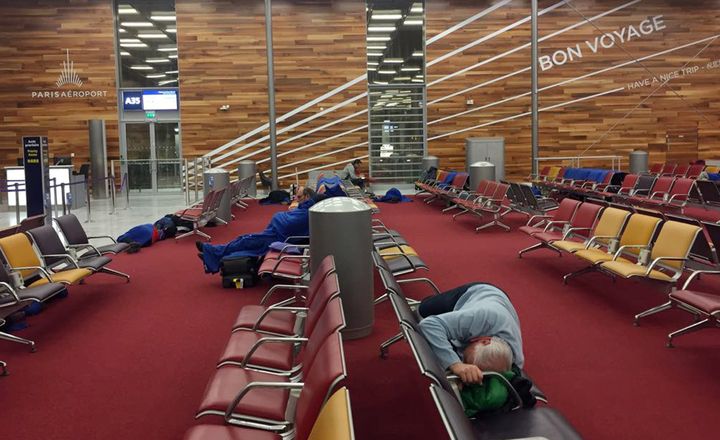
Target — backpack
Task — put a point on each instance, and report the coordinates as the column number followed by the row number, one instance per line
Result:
column 239, row 272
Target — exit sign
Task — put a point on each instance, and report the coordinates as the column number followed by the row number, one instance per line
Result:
column 149, row 115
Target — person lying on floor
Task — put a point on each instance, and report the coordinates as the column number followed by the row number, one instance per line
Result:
column 473, row 328
column 282, row 225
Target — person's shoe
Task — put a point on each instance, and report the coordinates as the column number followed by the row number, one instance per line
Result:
column 199, row 246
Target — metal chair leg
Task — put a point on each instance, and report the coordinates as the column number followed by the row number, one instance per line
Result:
column 3, row 367
column 13, row 338
column 652, row 311
column 385, row 346
column 463, row 212
column 537, row 246
column 690, row 328
column 450, row 208
column 381, row 298
column 109, row 271
column 578, row 273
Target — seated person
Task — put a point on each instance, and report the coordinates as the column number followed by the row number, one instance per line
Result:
column 471, row 329
column 282, row 225
column 350, row 172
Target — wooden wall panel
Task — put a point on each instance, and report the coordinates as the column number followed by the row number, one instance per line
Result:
column 319, row 45
column 34, row 36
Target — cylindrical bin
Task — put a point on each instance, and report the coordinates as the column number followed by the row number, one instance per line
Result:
column 481, row 171
column 217, row 178
column 341, row 226
column 246, row 168
column 638, row 161
column 430, row 161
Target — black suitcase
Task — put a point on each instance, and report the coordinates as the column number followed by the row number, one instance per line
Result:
column 239, row 272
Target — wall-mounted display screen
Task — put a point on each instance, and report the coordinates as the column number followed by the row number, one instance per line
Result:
column 150, row 100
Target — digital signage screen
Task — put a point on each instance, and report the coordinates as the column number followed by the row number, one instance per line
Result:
column 152, row 100
column 160, row 100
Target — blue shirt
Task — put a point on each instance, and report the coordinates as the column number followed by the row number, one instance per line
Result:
column 483, row 310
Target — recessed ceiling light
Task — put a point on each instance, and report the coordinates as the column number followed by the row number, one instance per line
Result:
column 121, row 30
column 171, row 72
column 413, row 22
column 375, row 47
column 416, row 80
column 374, row 54
column 139, row 24
column 167, row 49
column 161, row 17
column 387, row 72
column 171, row 30
column 402, row 78
column 381, row 28
column 384, row 38
column 380, row 82
column 173, row 56
column 166, row 81
column 141, row 67
column 156, row 75
column 125, row 54
column 394, row 60
column 153, row 35
column 126, row 10
column 410, row 69
column 157, row 60
column 372, row 63
column 130, row 40
column 417, row 7
column 133, row 45
column 385, row 16
column 417, row 54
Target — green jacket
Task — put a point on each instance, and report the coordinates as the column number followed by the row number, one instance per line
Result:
column 491, row 394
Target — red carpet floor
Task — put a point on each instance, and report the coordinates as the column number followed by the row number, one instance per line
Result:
column 120, row 360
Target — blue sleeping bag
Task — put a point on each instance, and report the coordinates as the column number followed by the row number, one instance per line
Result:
column 393, row 195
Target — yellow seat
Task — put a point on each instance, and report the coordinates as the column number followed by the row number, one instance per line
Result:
column 392, row 252
column 553, row 173
column 627, row 269
column 712, row 169
column 671, row 250
column 637, row 234
column 608, row 226
column 335, row 419
column 21, row 256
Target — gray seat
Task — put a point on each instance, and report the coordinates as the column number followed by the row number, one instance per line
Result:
column 78, row 239
column 13, row 300
column 55, row 254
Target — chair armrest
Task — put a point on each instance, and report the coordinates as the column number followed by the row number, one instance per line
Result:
column 290, row 245
column 628, row 246
column 662, row 194
column 425, row 280
column 64, row 257
column 40, row 269
column 289, row 257
column 640, row 191
column 655, row 262
column 10, row 289
column 594, row 238
column 536, row 216
column 572, row 230
column 103, row 236
column 84, row 246
column 297, row 237
column 271, row 309
column 267, row 340
column 252, row 385
column 698, row 273
column 678, row 196
column 278, row 287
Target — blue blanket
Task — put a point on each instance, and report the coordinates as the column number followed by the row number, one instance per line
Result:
column 141, row 234
column 282, row 225
column 333, row 186
column 393, row 195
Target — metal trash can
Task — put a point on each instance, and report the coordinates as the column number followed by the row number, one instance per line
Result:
column 341, row 227
column 430, row 161
column 217, row 178
column 639, row 161
column 481, row 171
column 247, row 168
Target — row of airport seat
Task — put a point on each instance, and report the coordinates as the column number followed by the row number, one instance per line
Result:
column 631, row 243
column 282, row 371
column 519, row 422
column 39, row 263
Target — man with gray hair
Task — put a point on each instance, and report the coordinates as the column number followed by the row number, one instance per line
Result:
column 471, row 329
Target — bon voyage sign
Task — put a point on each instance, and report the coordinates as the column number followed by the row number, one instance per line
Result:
column 604, row 41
